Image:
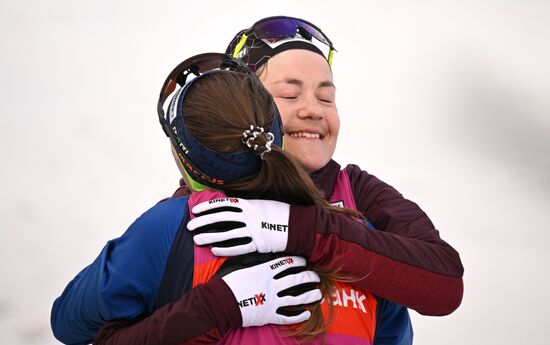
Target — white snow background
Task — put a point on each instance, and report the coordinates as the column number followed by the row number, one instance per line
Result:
column 448, row 101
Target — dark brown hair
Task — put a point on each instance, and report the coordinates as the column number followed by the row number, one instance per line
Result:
column 217, row 109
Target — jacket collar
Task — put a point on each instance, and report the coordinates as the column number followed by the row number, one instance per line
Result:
column 325, row 178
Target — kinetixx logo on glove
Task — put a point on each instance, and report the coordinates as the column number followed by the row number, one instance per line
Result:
column 276, row 227
column 287, row 261
column 257, row 300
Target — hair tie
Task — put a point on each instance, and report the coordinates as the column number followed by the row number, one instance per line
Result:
column 251, row 136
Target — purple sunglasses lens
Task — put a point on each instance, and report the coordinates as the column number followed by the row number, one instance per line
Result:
column 286, row 27
column 275, row 28
column 313, row 31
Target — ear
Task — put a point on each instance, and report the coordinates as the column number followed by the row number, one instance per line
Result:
column 178, row 163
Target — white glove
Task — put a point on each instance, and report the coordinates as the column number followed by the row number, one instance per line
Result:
column 266, row 290
column 234, row 226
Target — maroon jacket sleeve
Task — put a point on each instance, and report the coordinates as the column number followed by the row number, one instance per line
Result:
column 201, row 316
column 403, row 260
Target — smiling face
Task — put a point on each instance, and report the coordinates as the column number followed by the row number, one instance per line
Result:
column 302, row 87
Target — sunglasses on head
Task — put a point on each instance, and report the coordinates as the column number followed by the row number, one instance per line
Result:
column 196, row 65
column 279, row 27
column 284, row 27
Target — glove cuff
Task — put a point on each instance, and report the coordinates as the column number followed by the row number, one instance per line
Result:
column 223, row 305
column 301, row 235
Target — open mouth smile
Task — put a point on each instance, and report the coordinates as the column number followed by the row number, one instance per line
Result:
column 307, row 135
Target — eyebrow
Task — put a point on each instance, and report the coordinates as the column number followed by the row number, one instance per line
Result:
column 327, row 83
column 299, row 83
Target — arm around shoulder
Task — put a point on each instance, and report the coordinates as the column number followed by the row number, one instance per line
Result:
column 202, row 316
column 403, row 259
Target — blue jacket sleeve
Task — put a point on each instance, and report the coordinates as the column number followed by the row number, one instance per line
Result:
column 122, row 282
column 394, row 325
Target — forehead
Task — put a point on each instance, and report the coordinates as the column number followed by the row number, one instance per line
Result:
column 297, row 64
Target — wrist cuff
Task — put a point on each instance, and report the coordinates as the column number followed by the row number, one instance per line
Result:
column 223, row 304
column 301, row 230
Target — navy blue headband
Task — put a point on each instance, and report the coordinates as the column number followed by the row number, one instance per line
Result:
column 205, row 165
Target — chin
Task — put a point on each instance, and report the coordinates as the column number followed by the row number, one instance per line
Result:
column 311, row 166
column 310, row 159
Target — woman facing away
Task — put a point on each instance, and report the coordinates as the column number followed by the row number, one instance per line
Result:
column 402, row 259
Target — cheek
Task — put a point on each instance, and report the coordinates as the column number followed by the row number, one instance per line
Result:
column 284, row 111
column 333, row 122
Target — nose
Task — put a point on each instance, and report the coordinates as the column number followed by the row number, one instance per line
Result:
column 310, row 108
